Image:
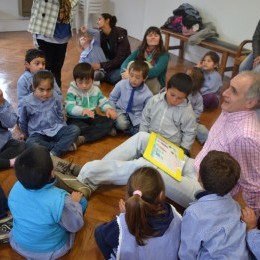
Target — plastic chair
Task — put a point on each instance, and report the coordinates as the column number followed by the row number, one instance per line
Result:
column 84, row 11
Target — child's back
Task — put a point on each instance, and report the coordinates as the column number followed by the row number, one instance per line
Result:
column 45, row 217
column 148, row 227
column 211, row 227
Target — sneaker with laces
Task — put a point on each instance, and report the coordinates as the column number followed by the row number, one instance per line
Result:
column 80, row 140
column 73, row 184
column 65, row 167
column 6, row 225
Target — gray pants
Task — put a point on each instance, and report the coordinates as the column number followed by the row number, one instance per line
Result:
column 117, row 166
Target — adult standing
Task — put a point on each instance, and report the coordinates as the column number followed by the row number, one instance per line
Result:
column 153, row 52
column 115, row 45
column 50, row 25
column 252, row 61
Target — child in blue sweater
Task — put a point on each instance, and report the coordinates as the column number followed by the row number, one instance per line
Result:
column 211, row 227
column 129, row 98
column 9, row 147
column 46, row 218
column 35, row 60
column 42, row 120
column 148, row 227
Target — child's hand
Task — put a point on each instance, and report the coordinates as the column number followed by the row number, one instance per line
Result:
column 111, row 113
column 249, row 217
column 122, row 206
column 125, row 74
column 76, row 196
column 89, row 113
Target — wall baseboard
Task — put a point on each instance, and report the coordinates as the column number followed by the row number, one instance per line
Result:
column 7, row 25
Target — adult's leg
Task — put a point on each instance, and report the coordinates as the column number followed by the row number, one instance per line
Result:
column 247, row 63
column 120, row 163
column 10, row 150
column 64, row 139
column 55, row 56
column 113, row 76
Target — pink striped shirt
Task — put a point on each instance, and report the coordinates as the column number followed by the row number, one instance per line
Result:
column 238, row 134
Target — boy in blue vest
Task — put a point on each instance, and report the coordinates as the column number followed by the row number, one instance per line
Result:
column 211, row 227
column 46, row 218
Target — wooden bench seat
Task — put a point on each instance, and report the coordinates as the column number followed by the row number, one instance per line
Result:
column 226, row 49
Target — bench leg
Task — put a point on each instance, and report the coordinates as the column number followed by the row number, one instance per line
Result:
column 181, row 52
column 167, row 41
column 223, row 63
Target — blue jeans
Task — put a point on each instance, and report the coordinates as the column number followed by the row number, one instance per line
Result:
column 202, row 133
column 124, row 124
column 59, row 143
column 113, row 76
column 117, row 166
column 3, row 204
column 247, row 64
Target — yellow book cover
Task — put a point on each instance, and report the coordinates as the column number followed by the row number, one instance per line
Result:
column 165, row 155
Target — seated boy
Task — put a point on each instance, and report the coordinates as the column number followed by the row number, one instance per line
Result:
column 34, row 61
column 211, row 226
column 41, row 118
column 253, row 232
column 46, row 218
column 92, row 53
column 82, row 99
column 168, row 114
column 9, row 147
column 129, row 97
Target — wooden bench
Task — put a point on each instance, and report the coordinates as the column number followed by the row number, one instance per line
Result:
column 226, row 49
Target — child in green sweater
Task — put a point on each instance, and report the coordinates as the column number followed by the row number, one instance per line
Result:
column 82, row 99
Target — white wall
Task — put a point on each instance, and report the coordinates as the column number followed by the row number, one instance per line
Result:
column 235, row 20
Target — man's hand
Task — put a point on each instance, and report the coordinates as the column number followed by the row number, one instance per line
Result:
column 125, row 74
column 96, row 66
column 256, row 61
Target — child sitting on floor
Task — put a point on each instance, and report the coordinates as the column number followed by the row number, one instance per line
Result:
column 34, row 61
column 46, row 218
column 129, row 97
column 253, row 232
column 148, row 227
column 82, row 99
column 212, row 80
column 9, row 147
column 196, row 101
column 42, row 121
column 92, row 53
column 211, row 226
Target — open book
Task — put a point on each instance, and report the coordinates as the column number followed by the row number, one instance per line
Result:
column 165, row 155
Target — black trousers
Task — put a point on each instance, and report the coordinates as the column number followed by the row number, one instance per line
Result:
column 93, row 128
column 3, row 204
column 10, row 150
column 55, row 56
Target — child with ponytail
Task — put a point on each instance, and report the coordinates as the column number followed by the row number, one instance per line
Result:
column 147, row 227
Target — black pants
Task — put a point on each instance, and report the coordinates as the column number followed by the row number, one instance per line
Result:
column 10, row 150
column 93, row 128
column 55, row 56
column 3, row 204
